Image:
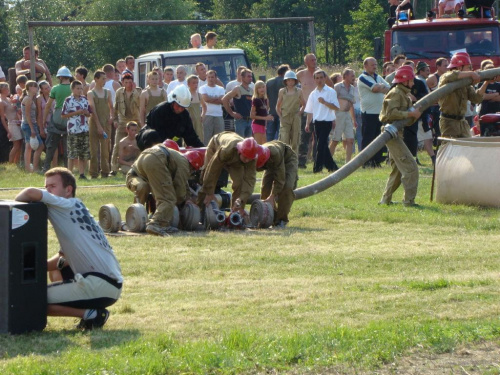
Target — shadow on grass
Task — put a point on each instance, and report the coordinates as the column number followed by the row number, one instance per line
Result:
column 53, row 342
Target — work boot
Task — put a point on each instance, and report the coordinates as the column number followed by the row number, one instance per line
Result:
column 158, row 230
column 411, row 204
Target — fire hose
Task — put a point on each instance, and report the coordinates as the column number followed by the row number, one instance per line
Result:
column 379, row 142
column 109, row 218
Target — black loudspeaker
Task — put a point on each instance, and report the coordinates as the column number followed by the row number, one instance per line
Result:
column 23, row 267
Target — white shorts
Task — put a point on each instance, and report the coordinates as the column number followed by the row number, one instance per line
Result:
column 421, row 135
column 86, row 291
column 15, row 131
column 343, row 125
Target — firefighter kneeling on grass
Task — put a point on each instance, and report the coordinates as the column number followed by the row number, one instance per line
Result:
column 164, row 172
column 279, row 163
column 229, row 151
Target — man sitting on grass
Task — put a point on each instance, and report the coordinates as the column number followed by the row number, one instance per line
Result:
column 97, row 283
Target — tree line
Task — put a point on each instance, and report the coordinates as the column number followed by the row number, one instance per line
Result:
column 344, row 29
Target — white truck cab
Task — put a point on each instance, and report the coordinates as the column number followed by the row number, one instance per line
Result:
column 224, row 61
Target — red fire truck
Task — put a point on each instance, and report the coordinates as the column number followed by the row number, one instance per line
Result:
column 428, row 39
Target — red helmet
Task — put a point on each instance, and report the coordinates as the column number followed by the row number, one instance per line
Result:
column 248, row 148
column 263, row 154
column 195, row 158
column 403, row 74
column 459, row 59
column 168, row 143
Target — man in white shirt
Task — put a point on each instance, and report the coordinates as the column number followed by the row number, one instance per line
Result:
column 372, row 89
column 97, row 281
column 181, row 79
column 320, row 109
column 212, row 94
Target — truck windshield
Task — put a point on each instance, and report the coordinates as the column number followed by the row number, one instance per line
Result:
column 225, row 65
column 431, row 44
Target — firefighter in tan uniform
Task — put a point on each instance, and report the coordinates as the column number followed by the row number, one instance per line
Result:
column 404, row 167
column 165, row 173
column 453, row 106
column 279, row 163
column 227, row 150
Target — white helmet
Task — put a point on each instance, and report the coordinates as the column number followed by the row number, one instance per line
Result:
column 290, row 74
column 34, row 143
column 63, row 72
column 181, row 96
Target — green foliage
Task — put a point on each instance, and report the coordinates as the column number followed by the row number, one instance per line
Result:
column 367, row 22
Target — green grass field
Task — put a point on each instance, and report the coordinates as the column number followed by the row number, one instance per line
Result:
column 348, row 287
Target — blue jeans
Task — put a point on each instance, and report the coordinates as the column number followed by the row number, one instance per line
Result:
column 243, row 127
column 25, row 127
column 273, row 129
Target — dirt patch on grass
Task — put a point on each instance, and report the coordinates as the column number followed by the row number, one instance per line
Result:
column 476, row 359
column 481, row 358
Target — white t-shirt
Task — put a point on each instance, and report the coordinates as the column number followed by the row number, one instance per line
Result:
column 172, row 85
column 320, row 111
column 2, row 74
column 201, row 83
column 84, row 244
column 214, row 92
column 371, row 102
column 449, row 4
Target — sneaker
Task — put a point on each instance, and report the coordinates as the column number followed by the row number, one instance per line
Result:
column 112, row 174
column 97, row 322
column 82, row 177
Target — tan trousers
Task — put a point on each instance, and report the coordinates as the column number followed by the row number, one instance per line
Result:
column 154, row 176
column 404, row 171
column 454, row 128
column 120, row 133
column 290, row 131
column 99, row 147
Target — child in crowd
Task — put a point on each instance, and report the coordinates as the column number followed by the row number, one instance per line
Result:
column 11, row 121
column 197, row 108
column 290, row 107
column 127, row 149
column 76, row 110
column 475, row 131
column 32, row 139
column 260, row 112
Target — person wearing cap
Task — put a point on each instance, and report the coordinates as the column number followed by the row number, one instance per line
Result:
column 170, row 119
column 228, row 151
column 279, row 163
column 290, row 107
column 454, row 105
column 404, row 167
column 57, row 127
column 164, row 172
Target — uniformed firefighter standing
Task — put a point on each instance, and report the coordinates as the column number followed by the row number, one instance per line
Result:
column 165, row 173
column 279, row 163
column 404, row 167
column 453, row 106
column 227, row 150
